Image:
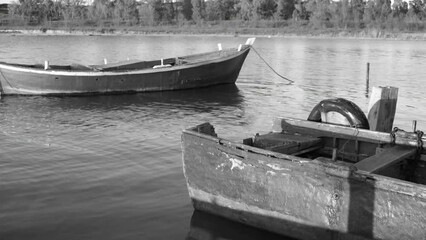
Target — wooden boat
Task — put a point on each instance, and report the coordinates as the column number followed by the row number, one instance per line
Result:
column 193, row 71
column 312, row 180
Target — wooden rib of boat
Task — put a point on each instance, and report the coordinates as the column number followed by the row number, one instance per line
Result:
column 312, row 180
column 193, row 71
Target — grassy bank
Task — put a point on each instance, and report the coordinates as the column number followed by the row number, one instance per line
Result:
column 212, row 28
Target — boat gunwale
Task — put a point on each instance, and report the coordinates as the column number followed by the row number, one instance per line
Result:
column 379, row 181
column 348, row 132
column 94, row 73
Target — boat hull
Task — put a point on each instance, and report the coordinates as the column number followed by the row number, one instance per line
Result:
column 24, row 81
column 317, row 199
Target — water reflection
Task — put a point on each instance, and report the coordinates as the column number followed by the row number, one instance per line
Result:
column 90, row 165
column 111, row 110
column 116, row 125
column 217, row 96
column 205, row 226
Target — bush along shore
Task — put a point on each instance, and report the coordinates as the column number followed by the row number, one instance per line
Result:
column 300, row 31
column 299, row 18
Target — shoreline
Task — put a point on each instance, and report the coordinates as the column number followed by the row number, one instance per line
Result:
column 371, row 34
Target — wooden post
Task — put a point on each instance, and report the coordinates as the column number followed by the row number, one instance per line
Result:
column 368, row 74
column 382, row 108
column 367, row 79
column 335, row 145
column 1, row 87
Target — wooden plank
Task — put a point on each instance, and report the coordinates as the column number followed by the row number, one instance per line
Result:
column 306, row 150
column 285, row 143
column 242, row 148
column 385, row 158
column 329, row 130
column 382, row 108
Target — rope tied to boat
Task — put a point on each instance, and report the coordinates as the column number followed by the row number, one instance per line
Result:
column 267, row 64
column 5, row 79
column 419, row 140
column 419, row 135
column 392, row 135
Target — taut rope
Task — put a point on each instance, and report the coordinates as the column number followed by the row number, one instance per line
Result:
column 285, row 78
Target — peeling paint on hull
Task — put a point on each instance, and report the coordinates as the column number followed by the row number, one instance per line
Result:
column 315, row 199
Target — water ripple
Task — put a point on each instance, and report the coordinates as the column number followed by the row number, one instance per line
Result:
column 109, row 167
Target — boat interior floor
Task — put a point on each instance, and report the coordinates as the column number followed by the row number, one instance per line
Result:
column 385, row 159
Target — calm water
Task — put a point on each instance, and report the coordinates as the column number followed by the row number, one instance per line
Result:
column 109, row 167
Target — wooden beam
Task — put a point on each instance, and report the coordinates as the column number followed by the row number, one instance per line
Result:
column 385, row 158
column 382, row 108
column 329, row 130
column 286, row 143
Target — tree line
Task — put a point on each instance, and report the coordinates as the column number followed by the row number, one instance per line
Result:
column 315, row 13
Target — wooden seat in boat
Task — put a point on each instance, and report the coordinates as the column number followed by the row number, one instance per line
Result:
column 385, row 158
column 294, row 144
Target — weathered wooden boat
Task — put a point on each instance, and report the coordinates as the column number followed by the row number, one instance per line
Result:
column 193, row 71
column 313, row 179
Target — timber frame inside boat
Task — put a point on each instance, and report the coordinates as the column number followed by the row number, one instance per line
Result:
column 398, row 154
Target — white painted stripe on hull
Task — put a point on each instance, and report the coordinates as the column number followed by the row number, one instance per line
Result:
column 110, row 73
column 8, row 90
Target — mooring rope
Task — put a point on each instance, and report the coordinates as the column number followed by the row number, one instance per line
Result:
column 1, row 87
column 285, row 78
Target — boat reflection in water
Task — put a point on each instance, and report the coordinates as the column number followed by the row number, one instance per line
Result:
column 101, row 167
column 201, row 99
column 206, row 226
